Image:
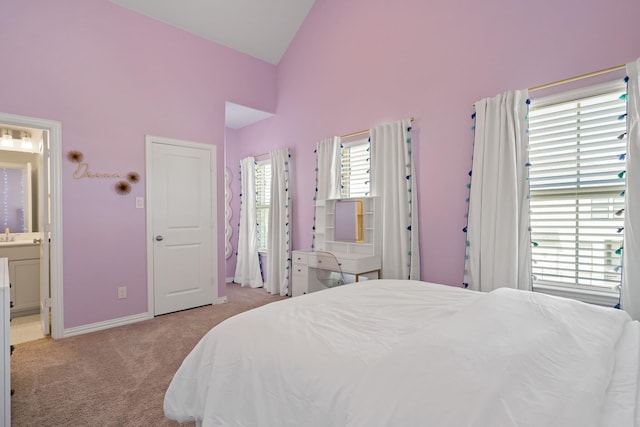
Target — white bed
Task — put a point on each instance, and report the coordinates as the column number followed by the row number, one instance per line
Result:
column 408, row 353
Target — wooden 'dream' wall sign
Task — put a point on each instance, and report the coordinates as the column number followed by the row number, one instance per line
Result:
column 123, row 186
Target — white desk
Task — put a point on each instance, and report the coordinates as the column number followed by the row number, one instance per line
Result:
column 305, row 263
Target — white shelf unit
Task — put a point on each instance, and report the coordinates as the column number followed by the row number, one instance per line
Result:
column 320, row 225
column 325, row 228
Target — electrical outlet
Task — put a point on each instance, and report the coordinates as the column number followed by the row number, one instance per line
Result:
column 122, row 292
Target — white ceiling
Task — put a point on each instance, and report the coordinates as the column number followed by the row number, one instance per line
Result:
column 259, row 28
column 238, row 116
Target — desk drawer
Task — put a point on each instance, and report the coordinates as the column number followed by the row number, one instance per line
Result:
column 323, row 261
column 349, row 265
column 300, row 258
column 359, row 265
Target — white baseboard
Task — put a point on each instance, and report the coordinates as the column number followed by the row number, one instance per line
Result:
column 228, row 280
column 99, row 326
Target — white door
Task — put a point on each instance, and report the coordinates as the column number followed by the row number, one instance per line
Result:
column 181, row 191
column 44, row 225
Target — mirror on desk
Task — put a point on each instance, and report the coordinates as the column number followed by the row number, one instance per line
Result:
column 349, row 221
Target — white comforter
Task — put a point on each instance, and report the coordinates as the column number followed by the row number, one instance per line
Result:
column 407, row 353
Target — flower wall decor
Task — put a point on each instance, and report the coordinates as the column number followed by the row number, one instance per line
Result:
column 75, row 156
column 123, row 186
column 133, row 177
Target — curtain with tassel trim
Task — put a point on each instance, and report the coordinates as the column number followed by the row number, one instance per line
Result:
column 393, row 179
column 328, row 171
column 248, row 271
column 279, row 237
column 327, row 176
column 498, row 237
column 630, row 293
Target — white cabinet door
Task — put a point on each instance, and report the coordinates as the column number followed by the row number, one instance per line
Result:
column 5, row 363
column 25, row 280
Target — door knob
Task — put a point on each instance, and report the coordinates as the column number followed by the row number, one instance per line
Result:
column 159, row 238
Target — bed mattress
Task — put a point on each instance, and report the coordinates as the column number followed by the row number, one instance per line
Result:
column 391, row 352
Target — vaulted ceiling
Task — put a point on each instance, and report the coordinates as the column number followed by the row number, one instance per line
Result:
column 260, row 28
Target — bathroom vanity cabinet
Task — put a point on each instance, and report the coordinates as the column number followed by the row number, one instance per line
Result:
column 24, row 274
column 5, row 352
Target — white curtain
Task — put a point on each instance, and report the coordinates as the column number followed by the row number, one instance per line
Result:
column 393, row 179
column 279, row 237
column 498, row 237
column 328, row 168
column 630, row 297
column 248, row 261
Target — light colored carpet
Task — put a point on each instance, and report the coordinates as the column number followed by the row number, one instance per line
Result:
column 115, row 377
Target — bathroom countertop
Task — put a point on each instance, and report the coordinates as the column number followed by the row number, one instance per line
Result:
column 17, row 243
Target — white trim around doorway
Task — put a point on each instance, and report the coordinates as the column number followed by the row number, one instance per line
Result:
column 55, row 173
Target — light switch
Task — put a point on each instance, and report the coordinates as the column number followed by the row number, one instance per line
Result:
column 139, row 202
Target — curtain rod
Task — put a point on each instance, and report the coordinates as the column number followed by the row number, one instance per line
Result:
column 267, row 154
column 574, row 79
column 360, row 132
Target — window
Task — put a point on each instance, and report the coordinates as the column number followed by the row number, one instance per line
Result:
column 355, row 169
column 577, row 191
column 263, row 197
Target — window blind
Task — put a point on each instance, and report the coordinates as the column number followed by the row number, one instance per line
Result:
column 577, row 190
column 263, row 197
column 355, row 169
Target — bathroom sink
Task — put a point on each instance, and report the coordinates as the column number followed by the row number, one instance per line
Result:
column 17, row 243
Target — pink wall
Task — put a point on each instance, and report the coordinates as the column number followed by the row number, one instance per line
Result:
column 356, row 64
column 111, row 76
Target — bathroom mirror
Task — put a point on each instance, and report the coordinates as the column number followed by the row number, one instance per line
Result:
column 15, row 198
column 349, row 221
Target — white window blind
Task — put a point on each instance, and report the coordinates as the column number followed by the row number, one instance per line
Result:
column 263, row 197
column 577, row 194
column 355, row 169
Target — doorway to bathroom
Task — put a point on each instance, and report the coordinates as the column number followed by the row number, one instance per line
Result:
column 31, row 224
